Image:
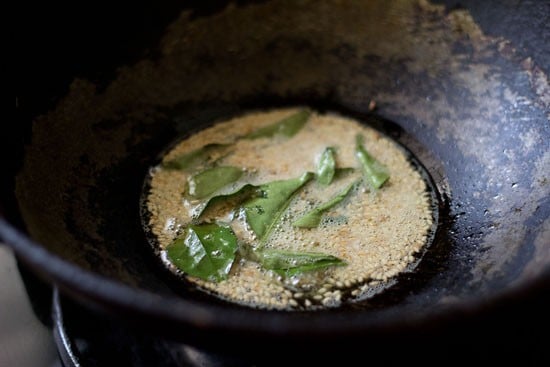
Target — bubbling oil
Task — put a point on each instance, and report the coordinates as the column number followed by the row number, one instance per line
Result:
column 378, row 233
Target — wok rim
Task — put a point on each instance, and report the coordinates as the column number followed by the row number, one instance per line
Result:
column 113, row 296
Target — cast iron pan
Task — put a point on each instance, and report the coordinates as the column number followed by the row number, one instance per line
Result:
column 107, row 89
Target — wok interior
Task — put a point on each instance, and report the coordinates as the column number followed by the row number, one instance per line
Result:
column 445, row 85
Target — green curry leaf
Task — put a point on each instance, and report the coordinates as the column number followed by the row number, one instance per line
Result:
column 263, row 212
column 289, row 263
column 207, row 182
column 326, row 167
column 376, row 174
column 312, row 218
column 206, row 251
column 196, row 158
column 288, row 127
column 234, row 196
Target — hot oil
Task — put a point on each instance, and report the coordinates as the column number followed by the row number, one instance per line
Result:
column 319, row 290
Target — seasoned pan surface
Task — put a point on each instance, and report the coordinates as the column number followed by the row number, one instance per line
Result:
column 471, row 105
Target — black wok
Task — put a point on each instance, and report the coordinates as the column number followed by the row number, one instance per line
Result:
column 102, row 91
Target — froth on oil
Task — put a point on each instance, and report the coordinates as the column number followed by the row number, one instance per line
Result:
column 378, row 234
